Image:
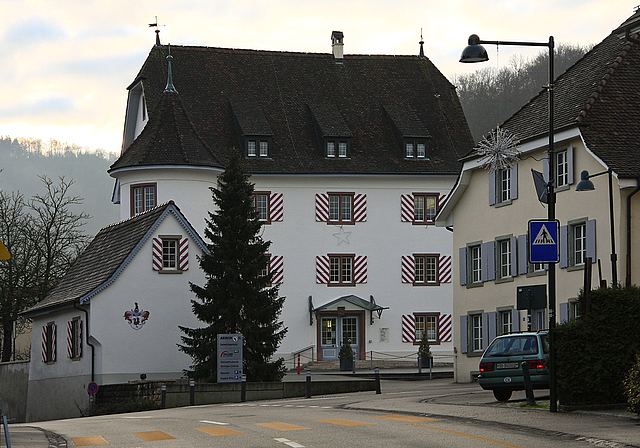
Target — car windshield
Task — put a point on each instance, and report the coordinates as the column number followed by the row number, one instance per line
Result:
column 513, row 346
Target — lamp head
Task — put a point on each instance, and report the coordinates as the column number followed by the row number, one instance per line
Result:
column 585, row 184
column 474, row 52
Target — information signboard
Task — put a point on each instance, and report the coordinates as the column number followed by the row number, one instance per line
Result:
column 229, row 358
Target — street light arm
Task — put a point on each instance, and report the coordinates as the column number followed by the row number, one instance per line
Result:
column 514, row 43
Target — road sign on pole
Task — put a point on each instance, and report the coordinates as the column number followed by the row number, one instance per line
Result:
column 543, row 241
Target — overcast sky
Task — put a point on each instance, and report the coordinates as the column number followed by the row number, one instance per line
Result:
column 65, row 64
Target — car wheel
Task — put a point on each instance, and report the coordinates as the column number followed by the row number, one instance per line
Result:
column 502, row 394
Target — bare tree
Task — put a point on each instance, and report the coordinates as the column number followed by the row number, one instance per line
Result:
column 44, row 237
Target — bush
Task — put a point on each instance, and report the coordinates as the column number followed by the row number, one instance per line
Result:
column 125, row 406
column 632, row 386
column 595, row 352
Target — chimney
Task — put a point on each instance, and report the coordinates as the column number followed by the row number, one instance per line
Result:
column 337, row 45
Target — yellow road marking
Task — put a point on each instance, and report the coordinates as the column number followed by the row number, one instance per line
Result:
column 280, row 426
column 219, row 431
column 343, row 422
column 497, row 442
column 150, row 436
column 89, row 441
column 407, row 418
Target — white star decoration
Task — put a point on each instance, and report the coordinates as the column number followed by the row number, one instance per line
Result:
column 499, row 150
column 343, row 237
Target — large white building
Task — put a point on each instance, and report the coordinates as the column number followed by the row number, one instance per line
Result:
column 351, row 156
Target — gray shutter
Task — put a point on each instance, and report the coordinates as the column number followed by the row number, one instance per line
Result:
column 523, row 260
column 564, row 312
column 464, row 334
column 514, row 182
column 493, row 325
column 485, row 330
column 564, row 247
column 492, row 187
column 514, row 256
column 591, row 239
column 488, row 261
column 515, row 320
column 462, row 262
column 570, row 165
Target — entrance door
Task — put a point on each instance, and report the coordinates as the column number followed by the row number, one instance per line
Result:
column 333, row 330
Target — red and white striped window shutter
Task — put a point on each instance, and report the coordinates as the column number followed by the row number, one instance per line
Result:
column 182, row 256
column 323, row 269
column 276, row 266
column 276, row 207
column 359, row 207
column 445, row 329
column 409, row 266
column 49, row 343
column 407, row 205
column 74, row 338
column 408, row 328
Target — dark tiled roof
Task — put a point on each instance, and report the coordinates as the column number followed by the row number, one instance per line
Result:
column 286, row 86
column 169, row 139
column 104, row 258
column 600, row 93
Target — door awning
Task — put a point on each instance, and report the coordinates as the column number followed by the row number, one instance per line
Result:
column 369, row 305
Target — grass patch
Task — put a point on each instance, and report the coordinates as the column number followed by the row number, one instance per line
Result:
column 533, row 406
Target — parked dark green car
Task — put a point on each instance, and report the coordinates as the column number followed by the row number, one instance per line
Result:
column 501, row 363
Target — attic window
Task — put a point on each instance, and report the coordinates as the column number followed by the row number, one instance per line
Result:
column 410, row 133
column 257, row 147
column 254, row 131
column 332, row 131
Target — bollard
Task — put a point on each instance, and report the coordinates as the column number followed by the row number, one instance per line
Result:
column 163, row 397
column 527, row 383
column 377, row 372
column 298, row 363
column 308, row 383
column 192, row 392
column 243, row 389
column 419, row 363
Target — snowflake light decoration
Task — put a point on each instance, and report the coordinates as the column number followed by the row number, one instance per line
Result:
column 499, row 150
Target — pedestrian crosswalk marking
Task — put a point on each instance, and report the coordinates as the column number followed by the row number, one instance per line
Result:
column 89, row 441
column 151, row 436
column 218, row 431
column 471, row 436
column 281, row 426
column 290, row 443
column 344, row 422
column 407, row 418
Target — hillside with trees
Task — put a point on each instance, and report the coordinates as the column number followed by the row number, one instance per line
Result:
column 24, row 161
column 489, row 95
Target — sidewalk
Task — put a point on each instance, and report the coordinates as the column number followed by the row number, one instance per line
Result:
column 32, row 437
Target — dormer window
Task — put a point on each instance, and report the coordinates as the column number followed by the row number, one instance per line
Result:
column 410, row 134
column 332, row 131
column 257, row 147
column 342, row 149
column 415, row 149
column 253, row 129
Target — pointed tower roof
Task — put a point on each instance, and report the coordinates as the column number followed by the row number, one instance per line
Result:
column 169, row 138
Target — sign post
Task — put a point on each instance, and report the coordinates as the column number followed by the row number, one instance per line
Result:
column 229, row 358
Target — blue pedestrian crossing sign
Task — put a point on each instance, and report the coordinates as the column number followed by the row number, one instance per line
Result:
column 543, row 241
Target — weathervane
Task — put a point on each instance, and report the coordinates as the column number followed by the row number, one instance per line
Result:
column 499, row 150
column 156, row 26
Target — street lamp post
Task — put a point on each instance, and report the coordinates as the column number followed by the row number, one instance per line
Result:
column 586, row 185
column 475, row 52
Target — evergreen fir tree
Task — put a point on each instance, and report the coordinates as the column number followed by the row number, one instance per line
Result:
column 237, row 297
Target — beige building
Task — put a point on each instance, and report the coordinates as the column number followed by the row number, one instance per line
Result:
column 596, row 129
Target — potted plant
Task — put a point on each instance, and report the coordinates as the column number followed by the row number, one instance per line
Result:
column 424, row 353
column 346, row 356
